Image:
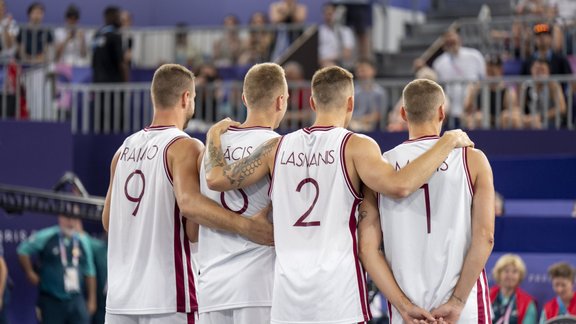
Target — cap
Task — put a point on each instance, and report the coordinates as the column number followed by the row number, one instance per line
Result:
column 542, row 29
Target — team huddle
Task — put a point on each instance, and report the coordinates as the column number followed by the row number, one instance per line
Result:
column 262, row 228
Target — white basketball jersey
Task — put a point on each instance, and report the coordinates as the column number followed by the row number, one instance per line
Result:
column 427, row 235
column 149, row 262
column 318, row 276
column 233, row 271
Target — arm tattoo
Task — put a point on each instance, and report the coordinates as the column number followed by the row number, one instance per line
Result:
column 215, row 157
column 237, row 172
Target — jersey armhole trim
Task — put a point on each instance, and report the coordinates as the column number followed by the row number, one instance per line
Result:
column 274, row 171
column 343, row 164
column 467, row 170
column 166, row 168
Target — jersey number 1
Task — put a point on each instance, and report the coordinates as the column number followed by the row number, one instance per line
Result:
column 427, row 199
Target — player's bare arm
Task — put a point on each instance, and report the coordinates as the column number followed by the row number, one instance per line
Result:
column 374, row 261
column 221, row 176
column 106, row 210
column 380, row 176
column 182, row 160
column 482, row 236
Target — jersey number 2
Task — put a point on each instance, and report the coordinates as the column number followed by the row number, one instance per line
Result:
column 427, row 200
column 301, row 221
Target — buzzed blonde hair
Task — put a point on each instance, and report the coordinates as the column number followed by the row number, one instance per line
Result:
column 506, row 260
column 331, row 86
column 170, row 81
column 262, row 84
column 421, row 98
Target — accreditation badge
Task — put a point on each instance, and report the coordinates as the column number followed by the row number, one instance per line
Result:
column 71, row 280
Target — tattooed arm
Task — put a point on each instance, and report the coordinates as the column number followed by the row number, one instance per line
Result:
column 221, row 176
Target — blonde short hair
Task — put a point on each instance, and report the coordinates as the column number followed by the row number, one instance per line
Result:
column 170, row 81
column 262, row 84
column 421, row 97
column 331, row 86
column 506, row 260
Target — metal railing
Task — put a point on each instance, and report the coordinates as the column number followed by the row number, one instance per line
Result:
column 510, row 102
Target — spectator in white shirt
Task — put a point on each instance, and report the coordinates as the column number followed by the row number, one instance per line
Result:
column 71, row 41
column 335, row 41
column 8, row 33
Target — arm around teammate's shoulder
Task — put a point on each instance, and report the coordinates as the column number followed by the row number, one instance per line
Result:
column 380, row 176
column 182, row 163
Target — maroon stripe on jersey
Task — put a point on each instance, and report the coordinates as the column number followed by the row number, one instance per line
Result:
column 487, row 297
column 422, row 138
column 272, row 175
column 480, row 300
column 190, row 318
column 191, row 287
column 166, row 168
column 468, row 177
column 360, row 278
column 311, row 129
column 236, row 128
column 157, row 128
column 389, row 312
column 178, row 266
column 343, row 164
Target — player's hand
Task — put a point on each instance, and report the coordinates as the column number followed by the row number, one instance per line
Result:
column 33, row 278
column 449, row 312
column 222, row 126
column 261, row 230
column 415, row 314
column 459, row 138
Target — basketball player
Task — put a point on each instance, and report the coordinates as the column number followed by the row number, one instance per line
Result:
column 153, row 197
column 235, row 275
column 437, row 240
column 316, row 176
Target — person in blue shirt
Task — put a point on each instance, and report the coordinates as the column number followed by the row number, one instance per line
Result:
column 66, row 271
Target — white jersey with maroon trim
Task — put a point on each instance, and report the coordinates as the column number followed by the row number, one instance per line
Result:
column 427, row 235
column 233, row 271
column 318, row 277
column 149, row 262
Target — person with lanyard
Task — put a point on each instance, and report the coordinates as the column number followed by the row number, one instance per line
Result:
column 564, row 304
column 511, row 304
column 66, row 258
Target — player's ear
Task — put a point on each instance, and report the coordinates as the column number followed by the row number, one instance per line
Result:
column 312, row 103
column 279, row 102
column 244, row 100
column 350, row 103
column 441, row 113
column 403, row 114
column 185, row 98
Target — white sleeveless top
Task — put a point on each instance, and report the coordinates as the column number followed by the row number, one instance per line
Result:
column 149, row 255
column 233, row 271
column 318, row 277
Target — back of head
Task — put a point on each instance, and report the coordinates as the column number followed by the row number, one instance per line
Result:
column 72, row 12
column 561, row 270
column 33, row 6
column 262, row 84
column 170, row 81
column 421, row 99
column 112, row 16
column 331, row 86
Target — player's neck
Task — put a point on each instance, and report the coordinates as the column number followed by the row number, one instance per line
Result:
column 262, row 118
column 417, row 131
column 166, row 118
column 330, row 119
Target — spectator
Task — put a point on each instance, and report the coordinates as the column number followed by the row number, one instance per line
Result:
column 531, row 7
column 557, row 62
column 543, row 99
column 562, row 276
column 33, row 39
column 70, row 40
column 108, row 64
column 228, row 49
column 100, row 250
column 510, row 303
column 127, row 37
column 289, row 12
column 422, row 71
column 454, row 67
column 298, row 114
column 3, row 288
column 370, row 99
column 259, row 43
column 502, row 100
column 65, row 257
column 359, row 18
column 209, row 94
column 498, row 204
column 8, row 33
column 335, row 42
column 186, row 54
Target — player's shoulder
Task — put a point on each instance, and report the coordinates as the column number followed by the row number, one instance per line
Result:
column 474, row 153
column 185, row 145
